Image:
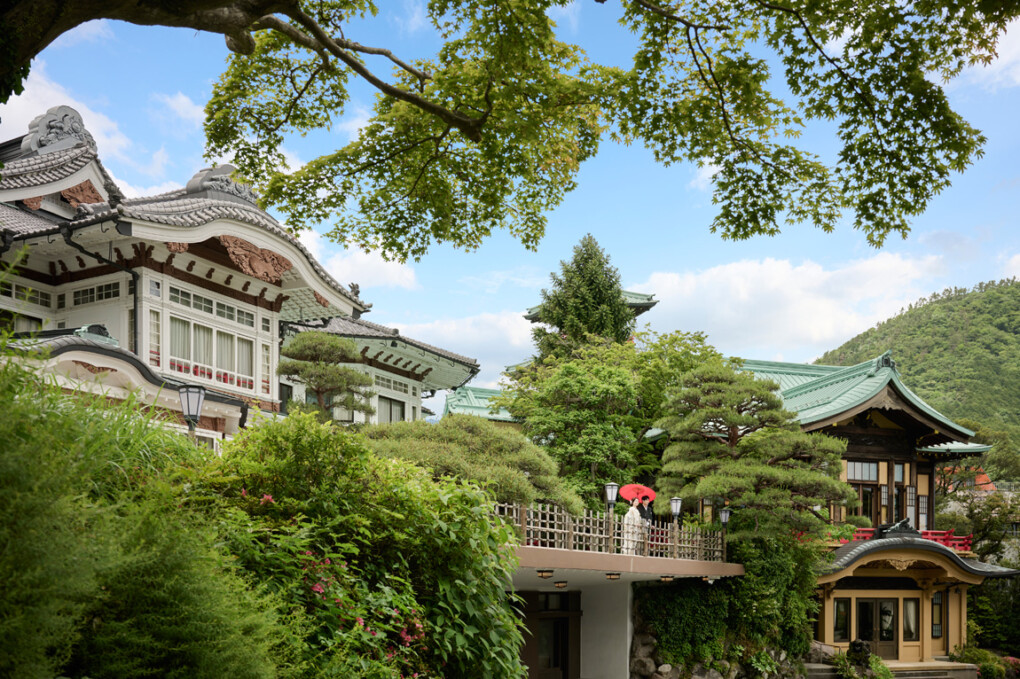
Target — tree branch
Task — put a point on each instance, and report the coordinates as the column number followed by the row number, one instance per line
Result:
column 471, row 127
column 661, row 11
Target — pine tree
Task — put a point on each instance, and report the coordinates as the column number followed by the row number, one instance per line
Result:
column 732, row 441
column 585, row 299
column 314, row 359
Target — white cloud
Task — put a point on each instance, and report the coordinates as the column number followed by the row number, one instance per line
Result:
column 703, row 178
column 493, row 281
column 353, row 123
column 41, row 94
column 88, row 32
column 1012, row 267
column 368, row 269
column 1005, row 70
column 181, row 106
column 569, row 14
column 496, row 340
column 413, row 19
column 759, row 308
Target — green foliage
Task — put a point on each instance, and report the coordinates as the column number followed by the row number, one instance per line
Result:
column 993, row 606
column 731, row 439
column 959, row 350
column 771, row 607
column 592, row 407
column 990, row 666
column 688, row 619
column 325, row 523
column 585, row 299
column 879, row 669
column 501, row 459
column 846, row 669
column 313, row 358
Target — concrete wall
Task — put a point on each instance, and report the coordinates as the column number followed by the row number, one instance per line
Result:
column 606, row 631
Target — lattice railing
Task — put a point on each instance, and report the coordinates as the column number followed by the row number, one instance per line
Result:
column 542, row 525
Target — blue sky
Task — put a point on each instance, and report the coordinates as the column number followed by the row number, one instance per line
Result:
column 791, row 297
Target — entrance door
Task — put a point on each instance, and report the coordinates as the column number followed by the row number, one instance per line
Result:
column 878, row 624
column 553, row 637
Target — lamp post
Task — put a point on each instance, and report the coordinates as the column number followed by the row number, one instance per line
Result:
column 611, row 490
column 724, row 517
column 192, row 398
column 675, row 505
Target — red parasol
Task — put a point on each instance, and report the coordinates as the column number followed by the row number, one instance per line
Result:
column 633, row 490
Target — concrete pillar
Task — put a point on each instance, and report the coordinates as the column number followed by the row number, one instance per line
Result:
column 606, row 630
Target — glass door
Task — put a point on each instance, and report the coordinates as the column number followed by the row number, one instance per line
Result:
column 877, row 623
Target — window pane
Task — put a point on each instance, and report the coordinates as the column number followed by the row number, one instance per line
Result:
column 245, row 357
column 225, row 311
column 224, row 351
column 841, row 620
column 180, row 340
column 202, row 304
column 203, row 345
column 910, row 619
column 936, row 615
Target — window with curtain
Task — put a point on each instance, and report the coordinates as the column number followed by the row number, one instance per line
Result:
column 390, row 410
column 245, row 357
column 203, row 337
column 911, row 628
column 180, row 338
column 154, row 338
column 841, row 620
column 224, row 351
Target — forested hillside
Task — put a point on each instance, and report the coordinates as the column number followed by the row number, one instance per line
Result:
column 959, row 350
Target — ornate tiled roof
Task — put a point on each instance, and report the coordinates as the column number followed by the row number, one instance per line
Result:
column 357, row 328
column 23, row 173
column 21, row 222
column 851, row 552
column 638, row 302
column 817, row 392
column 475, row 401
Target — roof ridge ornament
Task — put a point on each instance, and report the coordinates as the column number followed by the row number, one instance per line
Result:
column 216, row 182
column 61, row 127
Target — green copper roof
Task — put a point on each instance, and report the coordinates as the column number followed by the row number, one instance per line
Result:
column 637, row 301
column 820, row 392
column 475, row 401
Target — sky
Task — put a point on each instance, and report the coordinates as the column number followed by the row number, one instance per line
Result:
column 141, row 92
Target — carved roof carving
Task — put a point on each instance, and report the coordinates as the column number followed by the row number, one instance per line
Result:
column 59, row 128
column 82, row 194
column 257, row 262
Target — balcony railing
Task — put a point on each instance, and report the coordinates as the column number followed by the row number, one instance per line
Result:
column 550, row 526
column 961, row 543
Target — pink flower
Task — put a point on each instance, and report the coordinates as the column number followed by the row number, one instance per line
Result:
column 267, row 499
column 244, row 492
column 317, row 587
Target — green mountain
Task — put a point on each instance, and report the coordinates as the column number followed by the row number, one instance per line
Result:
column 959, row 350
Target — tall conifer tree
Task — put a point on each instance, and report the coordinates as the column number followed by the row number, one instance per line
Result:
column 315, row 359
column 585, row 299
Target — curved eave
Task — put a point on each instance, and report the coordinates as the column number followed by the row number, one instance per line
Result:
column 867, row 399
column 855, row 552
column 447, row 372
column 304, row 265
column 115, row 357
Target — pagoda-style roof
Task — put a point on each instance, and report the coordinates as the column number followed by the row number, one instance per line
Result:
column 475, row 401
column 822, row 395
column 637, row 302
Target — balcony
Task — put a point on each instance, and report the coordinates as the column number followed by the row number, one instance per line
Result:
column 959, row 543
column 549, row 526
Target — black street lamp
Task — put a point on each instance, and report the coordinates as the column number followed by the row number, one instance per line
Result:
column 611, row 491
column 724, row 518
column 675, row 505
column 192, row 398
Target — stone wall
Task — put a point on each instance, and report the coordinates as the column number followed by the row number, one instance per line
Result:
column 646, row 663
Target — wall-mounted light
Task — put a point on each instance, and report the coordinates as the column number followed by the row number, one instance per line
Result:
column 665, row 578
column 612, row 576
column 560, row 584
column 544, row 573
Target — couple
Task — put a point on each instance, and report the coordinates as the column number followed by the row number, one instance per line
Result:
column 636, row 523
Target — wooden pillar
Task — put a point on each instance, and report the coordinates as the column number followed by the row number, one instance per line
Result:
column 924, row 620
column 825, row 614
column 961, row 603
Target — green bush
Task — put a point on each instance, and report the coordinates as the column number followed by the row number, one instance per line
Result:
column 990, row 666
column 688, row 619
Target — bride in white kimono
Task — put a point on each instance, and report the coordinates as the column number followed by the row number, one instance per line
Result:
column 633, row 528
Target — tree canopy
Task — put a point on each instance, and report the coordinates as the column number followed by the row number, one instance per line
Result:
column 315, row 358
column 489, row 132
column 732, row 441
column 584, row 299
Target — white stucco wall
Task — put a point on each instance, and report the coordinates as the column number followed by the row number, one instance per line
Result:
column 606, row 631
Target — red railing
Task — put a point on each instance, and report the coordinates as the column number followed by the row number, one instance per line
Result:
column 961, row 543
